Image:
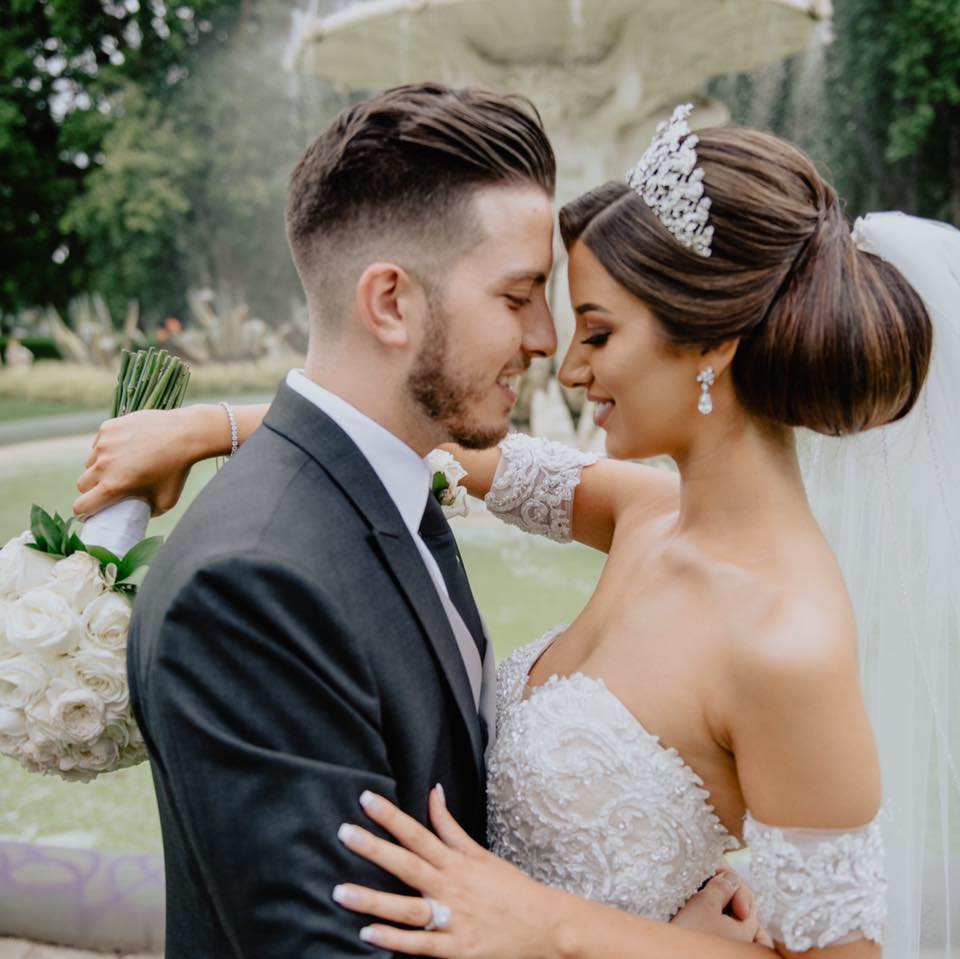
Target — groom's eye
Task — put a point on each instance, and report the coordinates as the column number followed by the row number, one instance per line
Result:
column 598, row 339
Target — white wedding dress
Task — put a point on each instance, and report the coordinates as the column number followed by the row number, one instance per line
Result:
column 583, row 798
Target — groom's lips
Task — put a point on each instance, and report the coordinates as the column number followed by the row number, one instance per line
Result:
column 509, row 384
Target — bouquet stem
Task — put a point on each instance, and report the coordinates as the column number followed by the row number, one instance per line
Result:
column 118, row 527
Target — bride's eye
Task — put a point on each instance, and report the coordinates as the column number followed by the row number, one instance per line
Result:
column 517, row 302
column 598, row 339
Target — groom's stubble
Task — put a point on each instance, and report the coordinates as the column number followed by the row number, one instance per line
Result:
column 449, row 397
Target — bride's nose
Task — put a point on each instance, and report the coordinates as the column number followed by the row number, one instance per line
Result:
column 575, row 370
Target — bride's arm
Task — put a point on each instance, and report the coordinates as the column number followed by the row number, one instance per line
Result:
column 809, row 773
column 148, row 454
column 556, row 491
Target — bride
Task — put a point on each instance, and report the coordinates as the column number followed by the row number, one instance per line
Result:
column 709, row 692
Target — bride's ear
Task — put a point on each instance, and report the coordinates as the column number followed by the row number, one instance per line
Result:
column 388, row 302
column 719, row 357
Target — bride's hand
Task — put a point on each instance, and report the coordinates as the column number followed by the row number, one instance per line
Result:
column 707, row 910
column 147, row 455
column 482, row 891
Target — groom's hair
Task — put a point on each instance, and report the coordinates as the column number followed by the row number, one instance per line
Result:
column 392, row 178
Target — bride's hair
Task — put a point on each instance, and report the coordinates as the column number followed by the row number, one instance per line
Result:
column 831, row 338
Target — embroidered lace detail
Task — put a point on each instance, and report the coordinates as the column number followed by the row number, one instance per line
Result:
column 583, row 798
column 534, row 483
column 818, row 887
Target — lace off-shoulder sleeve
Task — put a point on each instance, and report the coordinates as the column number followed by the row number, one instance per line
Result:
column 818, row 887
column 534, row 483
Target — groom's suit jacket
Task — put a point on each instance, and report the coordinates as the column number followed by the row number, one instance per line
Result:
column 288, row 650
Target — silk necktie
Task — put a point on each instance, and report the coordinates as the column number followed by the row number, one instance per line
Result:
column 436, row 534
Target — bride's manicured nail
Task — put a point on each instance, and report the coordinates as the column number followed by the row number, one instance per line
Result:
column 370, row 801
column 369, row 934
column 344, row 895
column 441, row 794
column 347, row 833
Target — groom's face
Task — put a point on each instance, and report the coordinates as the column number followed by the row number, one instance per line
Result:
column 488, row 319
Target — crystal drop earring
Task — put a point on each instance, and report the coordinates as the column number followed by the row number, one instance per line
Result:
column 706, row 378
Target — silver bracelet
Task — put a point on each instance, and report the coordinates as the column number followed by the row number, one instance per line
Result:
column 234, row 437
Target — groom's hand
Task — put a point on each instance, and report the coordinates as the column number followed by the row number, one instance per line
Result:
column 724, row 907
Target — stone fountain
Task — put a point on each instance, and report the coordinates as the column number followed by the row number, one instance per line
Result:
column 601, row 72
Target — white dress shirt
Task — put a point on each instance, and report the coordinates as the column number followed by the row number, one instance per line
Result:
column 404, row 474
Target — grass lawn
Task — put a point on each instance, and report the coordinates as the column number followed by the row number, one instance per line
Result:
column 12, row 408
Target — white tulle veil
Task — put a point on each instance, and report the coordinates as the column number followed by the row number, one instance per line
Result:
column 889, row 502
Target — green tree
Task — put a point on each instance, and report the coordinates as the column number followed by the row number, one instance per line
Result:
column 61, row 63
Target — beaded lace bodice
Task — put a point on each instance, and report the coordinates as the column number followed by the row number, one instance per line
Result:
column 583, row 798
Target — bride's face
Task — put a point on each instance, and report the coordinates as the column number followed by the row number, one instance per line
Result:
column 646, row 390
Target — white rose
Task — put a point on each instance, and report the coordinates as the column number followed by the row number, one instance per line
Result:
column 13, row 731
column 80, row 713
column 106, row 621
column 22, row 568
column 5, row 649
column 23, row 680
column 39, row 754
column 454, row 502
column 440, row 461
column 41, row 621
column 78, row 580
column 105, row 673
column 98, row 757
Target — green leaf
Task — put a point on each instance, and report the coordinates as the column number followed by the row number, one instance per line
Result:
column 40, row 547
column 440, row 482
column 140, row 555
column 104, row 556
column 134, row 579
column 45, row 529
column 76, row 544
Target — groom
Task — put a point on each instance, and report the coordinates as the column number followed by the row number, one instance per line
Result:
column 308, row 631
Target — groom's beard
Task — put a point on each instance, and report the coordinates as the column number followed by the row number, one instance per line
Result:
column 449, row 398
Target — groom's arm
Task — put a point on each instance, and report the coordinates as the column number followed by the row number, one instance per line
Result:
column 266, row 719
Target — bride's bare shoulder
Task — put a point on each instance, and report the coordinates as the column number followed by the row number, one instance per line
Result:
column 799, row 625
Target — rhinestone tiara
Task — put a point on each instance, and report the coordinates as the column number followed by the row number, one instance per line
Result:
column 669, row 181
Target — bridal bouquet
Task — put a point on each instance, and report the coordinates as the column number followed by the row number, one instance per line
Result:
column 65, row 602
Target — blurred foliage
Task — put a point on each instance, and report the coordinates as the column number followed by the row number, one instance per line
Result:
column 879, row 109
column 61, row 62
column 83, row 387
column 144, row 148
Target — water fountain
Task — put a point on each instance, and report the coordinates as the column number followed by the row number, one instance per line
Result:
column 602, row 73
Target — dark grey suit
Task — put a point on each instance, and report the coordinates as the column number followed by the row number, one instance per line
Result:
column 288, row 650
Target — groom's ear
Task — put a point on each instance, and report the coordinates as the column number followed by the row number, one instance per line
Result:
column 388, row 302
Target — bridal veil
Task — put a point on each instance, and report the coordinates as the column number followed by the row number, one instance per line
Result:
column 889, row 502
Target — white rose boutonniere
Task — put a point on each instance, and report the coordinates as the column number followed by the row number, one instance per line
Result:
column 446, row 474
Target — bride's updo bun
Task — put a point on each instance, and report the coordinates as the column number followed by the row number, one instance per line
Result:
column 831, row 338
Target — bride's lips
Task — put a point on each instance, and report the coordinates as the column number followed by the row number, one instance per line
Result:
column 602, row 410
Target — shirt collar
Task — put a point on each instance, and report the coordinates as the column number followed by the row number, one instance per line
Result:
column 404, row 474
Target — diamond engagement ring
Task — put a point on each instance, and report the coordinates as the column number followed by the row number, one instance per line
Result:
column 439, row 915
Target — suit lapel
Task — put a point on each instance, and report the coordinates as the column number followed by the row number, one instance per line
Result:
column 309, row 428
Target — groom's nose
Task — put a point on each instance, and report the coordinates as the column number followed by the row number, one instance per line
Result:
column 539, row 333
